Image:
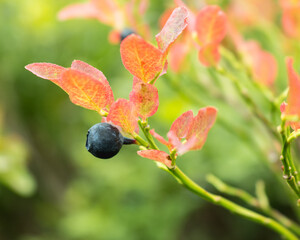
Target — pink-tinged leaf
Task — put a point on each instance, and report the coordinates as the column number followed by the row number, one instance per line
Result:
column 191, row 20
column 293, row 100
column 47, row 71
column 145, row 98
column 209, row 55
column 97, row 74
column 200, row 126
column 291, row 20
column 156, row 155
column 109, row 13
column 140, row 58
column 143, row 6
column 211, row 25
column 263, row 65
column 265, row 68
column 80, row 10
column 174, row 141
column 177, row 56
column 159, row 138
column 84, row 90
column 123, row 113
column 88, row 69
column 174, row 26
column 283, row 107
column 182, row 124
column 114, row 37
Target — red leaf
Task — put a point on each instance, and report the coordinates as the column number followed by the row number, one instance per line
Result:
column 47, row 71
column 141, row 58
column 176, row 23
column 199, row 128
column 156, row 155
column 79, row 10
column 182, row 124
column 293, row 107
column 123, row 113
column 211, row 25
column 84, row 90
column 145, row 98
column 97, row 74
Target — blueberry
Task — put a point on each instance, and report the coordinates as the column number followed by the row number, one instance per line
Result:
column 105, row 140
column 125, row 33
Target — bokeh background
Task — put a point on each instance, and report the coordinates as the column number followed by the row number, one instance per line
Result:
column 52, row 188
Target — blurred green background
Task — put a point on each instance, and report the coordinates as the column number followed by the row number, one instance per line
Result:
column 52, row 188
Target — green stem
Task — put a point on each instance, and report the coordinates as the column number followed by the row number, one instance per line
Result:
column 254, row 202
column 218, row 200
column 146, row 130
column 141, row 141
column 290, row 174
column 234, row 208
column 293, row 136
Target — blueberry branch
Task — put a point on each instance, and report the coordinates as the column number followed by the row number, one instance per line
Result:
column 227, row 204
column 146, row 130
column 233, row 207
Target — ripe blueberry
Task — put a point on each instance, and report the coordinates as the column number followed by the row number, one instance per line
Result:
column 125, row 33
column 105, row 140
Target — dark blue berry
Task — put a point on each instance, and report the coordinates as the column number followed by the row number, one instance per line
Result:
column 105, row 140
column 125, row 33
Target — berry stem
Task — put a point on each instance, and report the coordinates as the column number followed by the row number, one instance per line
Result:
column 128, row 141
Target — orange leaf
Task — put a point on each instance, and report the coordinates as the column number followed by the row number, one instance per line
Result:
column 293, row 107
column 174, row 26
column 123, row 113
column 209, row 55
column 141, row 58
column 47, row 71
column 211, row 25
column 97, row 74
column 84, row 90
column 156, row 155
column 145, row 98
column 199, row 128
column 78, row 10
